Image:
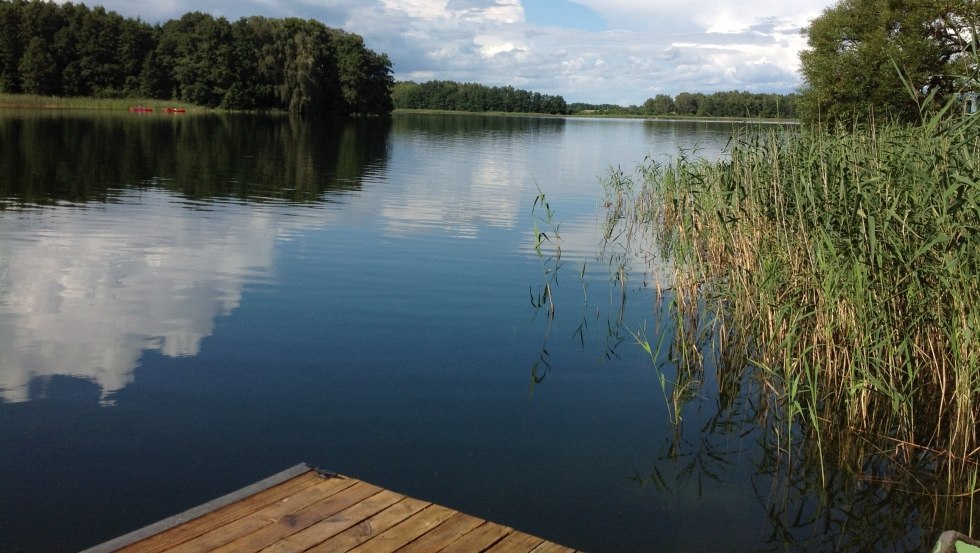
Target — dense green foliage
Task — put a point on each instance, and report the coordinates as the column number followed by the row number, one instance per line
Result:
column 472, row 97
column 717, row 104
column 253, row 63
column 871, row 57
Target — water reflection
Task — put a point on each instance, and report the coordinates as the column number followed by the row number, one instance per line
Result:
column 715, row 135
column 375, row 333
column 490, row 171
column 88, row 289
column 135, row 250
column 83, row 157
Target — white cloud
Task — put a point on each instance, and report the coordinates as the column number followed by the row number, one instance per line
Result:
column 703, row 14
column 503, row 11
column 491, row 46
column 661, row 46
column 506, row 11
column 422, row 9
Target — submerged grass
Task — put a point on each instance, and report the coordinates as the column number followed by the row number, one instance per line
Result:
column 840, row 268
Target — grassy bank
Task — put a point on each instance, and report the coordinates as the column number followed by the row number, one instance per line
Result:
column 32, row 101
column 839, row 270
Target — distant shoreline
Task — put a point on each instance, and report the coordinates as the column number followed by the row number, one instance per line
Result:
column 692, row 118
column 713, row 119
column 30, row 101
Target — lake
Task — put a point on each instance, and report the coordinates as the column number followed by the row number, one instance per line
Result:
column 191, row 303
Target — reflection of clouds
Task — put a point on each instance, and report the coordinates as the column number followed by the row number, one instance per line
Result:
column 463, row 183
column 84, row 291
column 490, row 179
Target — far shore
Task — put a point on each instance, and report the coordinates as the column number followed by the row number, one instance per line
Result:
column 32, row 101
column 583, row 115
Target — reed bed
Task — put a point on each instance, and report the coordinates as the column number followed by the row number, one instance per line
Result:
column 840, row 268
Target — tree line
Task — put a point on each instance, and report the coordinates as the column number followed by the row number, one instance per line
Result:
column 717, row 104
column 291, row 64
column 454, row 96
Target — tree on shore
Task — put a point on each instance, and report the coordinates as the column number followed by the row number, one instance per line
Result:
column 661, row 104
column 862, row 52
column 37, row 69
column 254, row 63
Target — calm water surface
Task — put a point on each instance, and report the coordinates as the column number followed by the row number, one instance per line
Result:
column 190, row 304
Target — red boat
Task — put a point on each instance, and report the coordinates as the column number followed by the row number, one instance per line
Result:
column 176, row 110
column 140, row 109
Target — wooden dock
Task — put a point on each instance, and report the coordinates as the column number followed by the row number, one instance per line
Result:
column 302, row 509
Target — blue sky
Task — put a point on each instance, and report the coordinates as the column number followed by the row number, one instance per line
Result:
column 562, row 14
column 597, row 51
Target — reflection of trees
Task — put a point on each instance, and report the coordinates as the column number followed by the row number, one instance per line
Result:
column 78, row 158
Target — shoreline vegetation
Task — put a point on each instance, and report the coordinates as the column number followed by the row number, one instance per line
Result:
column 35, row 101
column 671, row 117
column 254, row 63
column 831, row 275
column 477, row 98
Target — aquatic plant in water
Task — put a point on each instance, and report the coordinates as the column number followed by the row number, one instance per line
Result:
column 831, row 274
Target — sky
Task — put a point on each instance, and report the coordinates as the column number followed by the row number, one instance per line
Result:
column 595, row 51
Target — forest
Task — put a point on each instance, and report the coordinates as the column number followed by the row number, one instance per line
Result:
column 259, row 63
column 716, row 104
column 454, row 96
column 472, row 97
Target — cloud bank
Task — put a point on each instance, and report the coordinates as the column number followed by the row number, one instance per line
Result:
column 599, row 51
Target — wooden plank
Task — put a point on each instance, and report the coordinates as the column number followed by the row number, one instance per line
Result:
column 551, row 547
column 301, row 510
column 446, row 533
column 479, row 539
column 518, row 542
column 176, row 535
column 368, row 528
column 330, row 527
column 304, row 518
column 408, row 530
column 263, row 517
